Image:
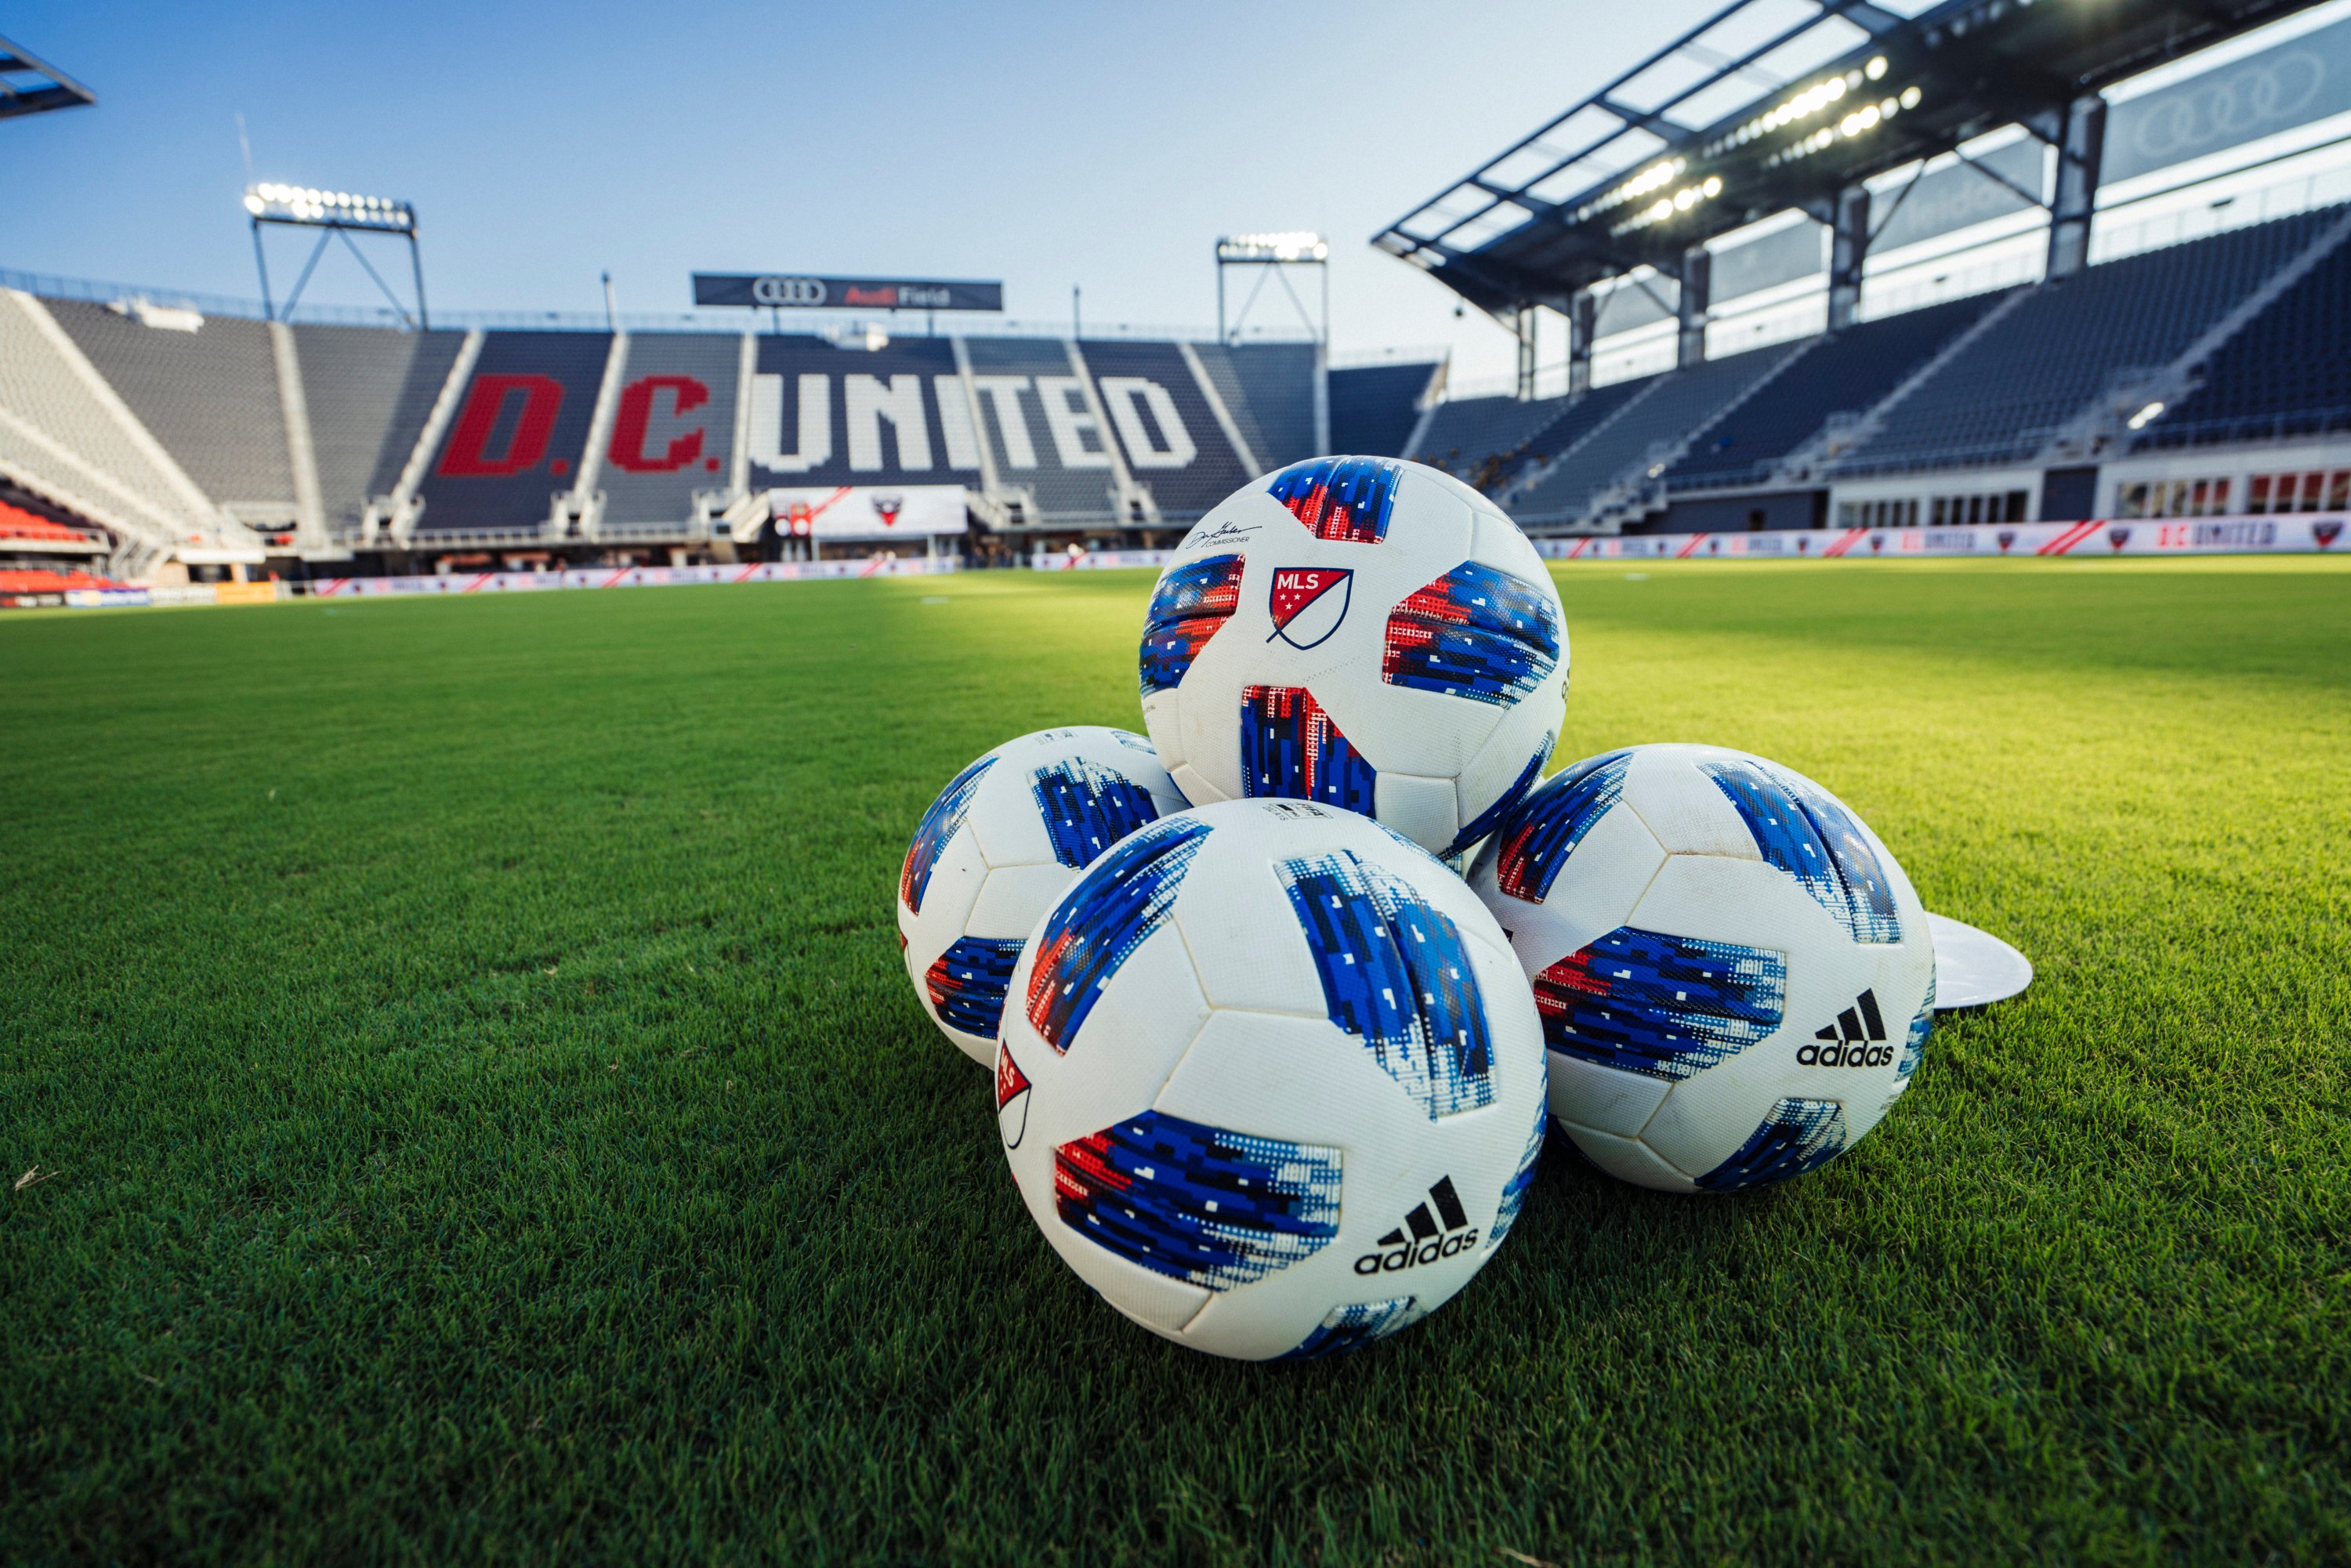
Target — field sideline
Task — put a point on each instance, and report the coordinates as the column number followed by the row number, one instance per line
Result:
column 474, row 1107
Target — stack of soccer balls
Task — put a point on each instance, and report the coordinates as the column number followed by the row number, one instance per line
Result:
column 1271, row 1076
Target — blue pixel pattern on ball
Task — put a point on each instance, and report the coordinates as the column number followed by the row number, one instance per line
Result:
column 1291, row 750
column 1914, row 1040
column 1537, row 839
column 1474, row 633
column 1355, row 1325
column 1125, row 897
column 1212, row 1208
column 1190, row 605
column 1396, row 975
column 1669, row 1007
column 1087, row 808
column 1514, row 1192
column 1811, row 838
column 1799, row 1135
column 937, row 826
column 967, row 982
column 1341, row 498
column 1487, row 821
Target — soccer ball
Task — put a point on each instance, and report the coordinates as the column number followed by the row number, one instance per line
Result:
column 1363, row 632
column 1736, row 980
column 1270, row 1081
column 999, row 844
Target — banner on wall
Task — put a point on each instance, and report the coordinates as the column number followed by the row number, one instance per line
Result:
column 801, row 291
column 2102, row 537
column 2097, row 537
column 460, row 582
column 873, row 513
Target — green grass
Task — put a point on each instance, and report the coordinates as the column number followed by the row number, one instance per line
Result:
column 480, row 1113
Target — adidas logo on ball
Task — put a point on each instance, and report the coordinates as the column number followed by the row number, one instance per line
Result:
column 1857, row 1039
column 1418, row 1240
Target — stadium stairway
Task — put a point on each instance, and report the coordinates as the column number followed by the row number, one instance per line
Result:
column 1187, row 463
column 1014, row 368
column 368, row 393
column 664, row 460
column 2105, row 422
column 2024, row 386
column 1483, row 440
column 210, row 396
column 397, row 514
column 1847, row 374
column 1274, row 394
column 1374, row 408
column 1615, row 466
column 2286, row 372
column 67, row 434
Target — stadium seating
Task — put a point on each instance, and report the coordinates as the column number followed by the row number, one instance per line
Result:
column 1482, row 440
column 576, row 437
column 1374, row 407
column 1215, row 471
column 1667, row 409
column 210, row 396
column 19, row 524
column 2004, row 395
column 673, row 429
column 60, row 436
column 2286, row 372
column 1847, row 373
column 519, row 436
column 1059, row 491
column 1268, row 389
column 368, row 392
column 41, row 580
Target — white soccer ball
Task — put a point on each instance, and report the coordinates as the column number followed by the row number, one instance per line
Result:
column 1361, row 632
column 1001, row 843
column 1271, row 1080
column 1736, row 980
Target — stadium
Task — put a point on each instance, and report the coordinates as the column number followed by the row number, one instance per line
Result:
column 461, row 1101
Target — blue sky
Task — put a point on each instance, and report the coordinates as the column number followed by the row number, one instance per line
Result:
column 1045, row 145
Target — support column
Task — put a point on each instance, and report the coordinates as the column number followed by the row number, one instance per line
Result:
column 1582, row 314
column 2081, row 148
column 1848, row 250
column 1526, row 328
column 1698, row 289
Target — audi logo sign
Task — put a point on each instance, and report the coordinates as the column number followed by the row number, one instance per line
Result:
column 801, row 291
column 783, row 291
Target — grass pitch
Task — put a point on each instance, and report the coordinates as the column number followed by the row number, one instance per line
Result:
column 473, row 1107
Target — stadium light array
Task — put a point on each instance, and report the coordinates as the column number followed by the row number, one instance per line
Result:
column 1857, row 121
column 1294, row 244
column 301, row 205
column 1819, row 102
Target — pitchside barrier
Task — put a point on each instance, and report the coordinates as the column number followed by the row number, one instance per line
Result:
column 626, row 577
column 494, row 582
column 2317, row 533
column 2099, row 537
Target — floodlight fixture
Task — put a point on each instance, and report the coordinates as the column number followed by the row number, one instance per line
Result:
column 1274, row 253
column 305, row 207
column 336, row 214
column 1293, row 245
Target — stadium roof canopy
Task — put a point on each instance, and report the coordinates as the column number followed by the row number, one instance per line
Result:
column 29, row 84
column 1773, row 104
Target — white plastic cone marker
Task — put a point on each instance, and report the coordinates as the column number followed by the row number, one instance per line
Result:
column 1973, row 969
